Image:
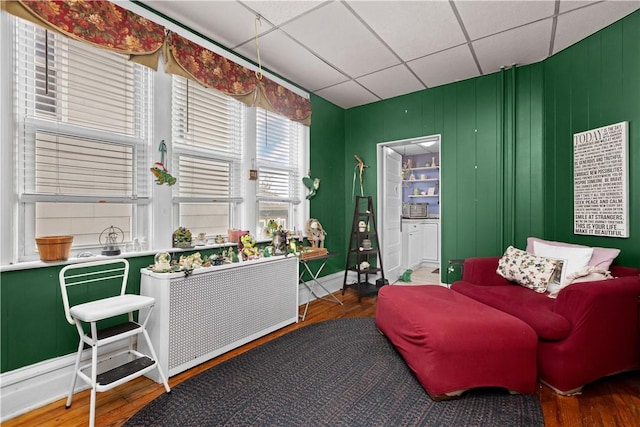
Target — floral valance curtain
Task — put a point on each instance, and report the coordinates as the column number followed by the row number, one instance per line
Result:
column 112, row 27
column 100, row 23
column 195, row 62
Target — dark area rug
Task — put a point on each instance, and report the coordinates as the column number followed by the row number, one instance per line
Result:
column 336, row 373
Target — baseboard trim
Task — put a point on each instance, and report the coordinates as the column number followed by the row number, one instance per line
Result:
column 31, row 387
column 333, row 283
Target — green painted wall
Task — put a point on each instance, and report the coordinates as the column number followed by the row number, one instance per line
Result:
column 327, row 162
column 33, row 324
column 594, row 83
column 507, row 143
column 484, row 171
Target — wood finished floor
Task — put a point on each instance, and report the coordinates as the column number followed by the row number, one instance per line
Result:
column 610, row 402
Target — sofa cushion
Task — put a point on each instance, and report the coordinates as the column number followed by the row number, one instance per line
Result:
column 526, row 269
column 602, row 257
column 533, row 308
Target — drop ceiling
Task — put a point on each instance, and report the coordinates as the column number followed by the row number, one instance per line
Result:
column 356, row 52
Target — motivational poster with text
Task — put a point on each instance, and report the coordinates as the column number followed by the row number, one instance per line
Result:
column 601, row 181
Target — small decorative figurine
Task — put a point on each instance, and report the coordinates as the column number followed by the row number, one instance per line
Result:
column 233, row 255
column 311, row 184
column 162, row 262
column 280, row 242
column 201, row 239
column 360, row 166
column 159, row 171
column 248, row 251
column 110, row 239
column 182, row 238
column 315, row 233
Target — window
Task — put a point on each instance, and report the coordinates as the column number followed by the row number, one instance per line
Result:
column 279, row 144
column 87, row 123
column 207, row 128
column 82, row 118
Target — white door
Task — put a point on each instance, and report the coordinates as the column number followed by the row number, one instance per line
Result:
column 391, row 215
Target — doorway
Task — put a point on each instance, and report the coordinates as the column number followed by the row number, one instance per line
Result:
column 409, row 188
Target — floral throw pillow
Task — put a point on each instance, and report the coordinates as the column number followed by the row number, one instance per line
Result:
column 526, row 269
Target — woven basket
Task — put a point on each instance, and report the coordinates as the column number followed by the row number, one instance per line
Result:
column 54, row 248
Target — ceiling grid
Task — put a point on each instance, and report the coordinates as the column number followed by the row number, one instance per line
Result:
column 354, row 52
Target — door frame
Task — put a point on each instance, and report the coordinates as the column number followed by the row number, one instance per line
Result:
column 380, row 182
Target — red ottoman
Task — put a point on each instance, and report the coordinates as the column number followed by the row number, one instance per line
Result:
column 453, row 343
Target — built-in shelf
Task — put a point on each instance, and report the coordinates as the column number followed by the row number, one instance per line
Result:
column 421, row 183
column 421, row 180
column 424, row 168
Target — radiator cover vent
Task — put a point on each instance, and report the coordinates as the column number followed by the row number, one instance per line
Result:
column 209, row 312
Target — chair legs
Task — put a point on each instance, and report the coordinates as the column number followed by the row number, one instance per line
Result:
column 74, row 377
column 94, row 374
column 153, row 355
column 92, row 381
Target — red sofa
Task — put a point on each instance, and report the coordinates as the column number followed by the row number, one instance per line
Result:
column 591, row 330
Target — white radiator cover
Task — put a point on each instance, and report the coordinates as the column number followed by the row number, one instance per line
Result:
column 217, row 309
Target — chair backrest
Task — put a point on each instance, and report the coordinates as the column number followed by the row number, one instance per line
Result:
column 110, row 272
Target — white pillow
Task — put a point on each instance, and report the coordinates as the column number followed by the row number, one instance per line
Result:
column 575, row 259
column 587, row 274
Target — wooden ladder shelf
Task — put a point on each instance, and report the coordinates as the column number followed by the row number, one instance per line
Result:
column 363, row 254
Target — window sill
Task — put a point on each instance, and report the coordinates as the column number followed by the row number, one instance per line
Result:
column 28, row 265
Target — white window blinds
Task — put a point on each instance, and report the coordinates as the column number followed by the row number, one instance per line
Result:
column 207, row 129
column 278, row 142
column 83, row 120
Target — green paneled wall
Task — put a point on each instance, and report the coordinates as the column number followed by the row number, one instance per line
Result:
column 529, row 130
column 363, row 130
column 591, row 84
column 470, row 117
column 327, row 162
column 33, row 324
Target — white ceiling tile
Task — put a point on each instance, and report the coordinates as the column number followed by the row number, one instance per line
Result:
column 226, row 22
column 566, row 5
column 346, row 95
column 287, row 58
column 578, row 24
column 412, row 29
column 279, row 12
column 391, row 82
column 445, row 67
column 521, row 46
column 326, row 44
column 483, row 18
column 336, row 35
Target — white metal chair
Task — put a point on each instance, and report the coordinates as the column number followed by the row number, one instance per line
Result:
column 106, row 277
